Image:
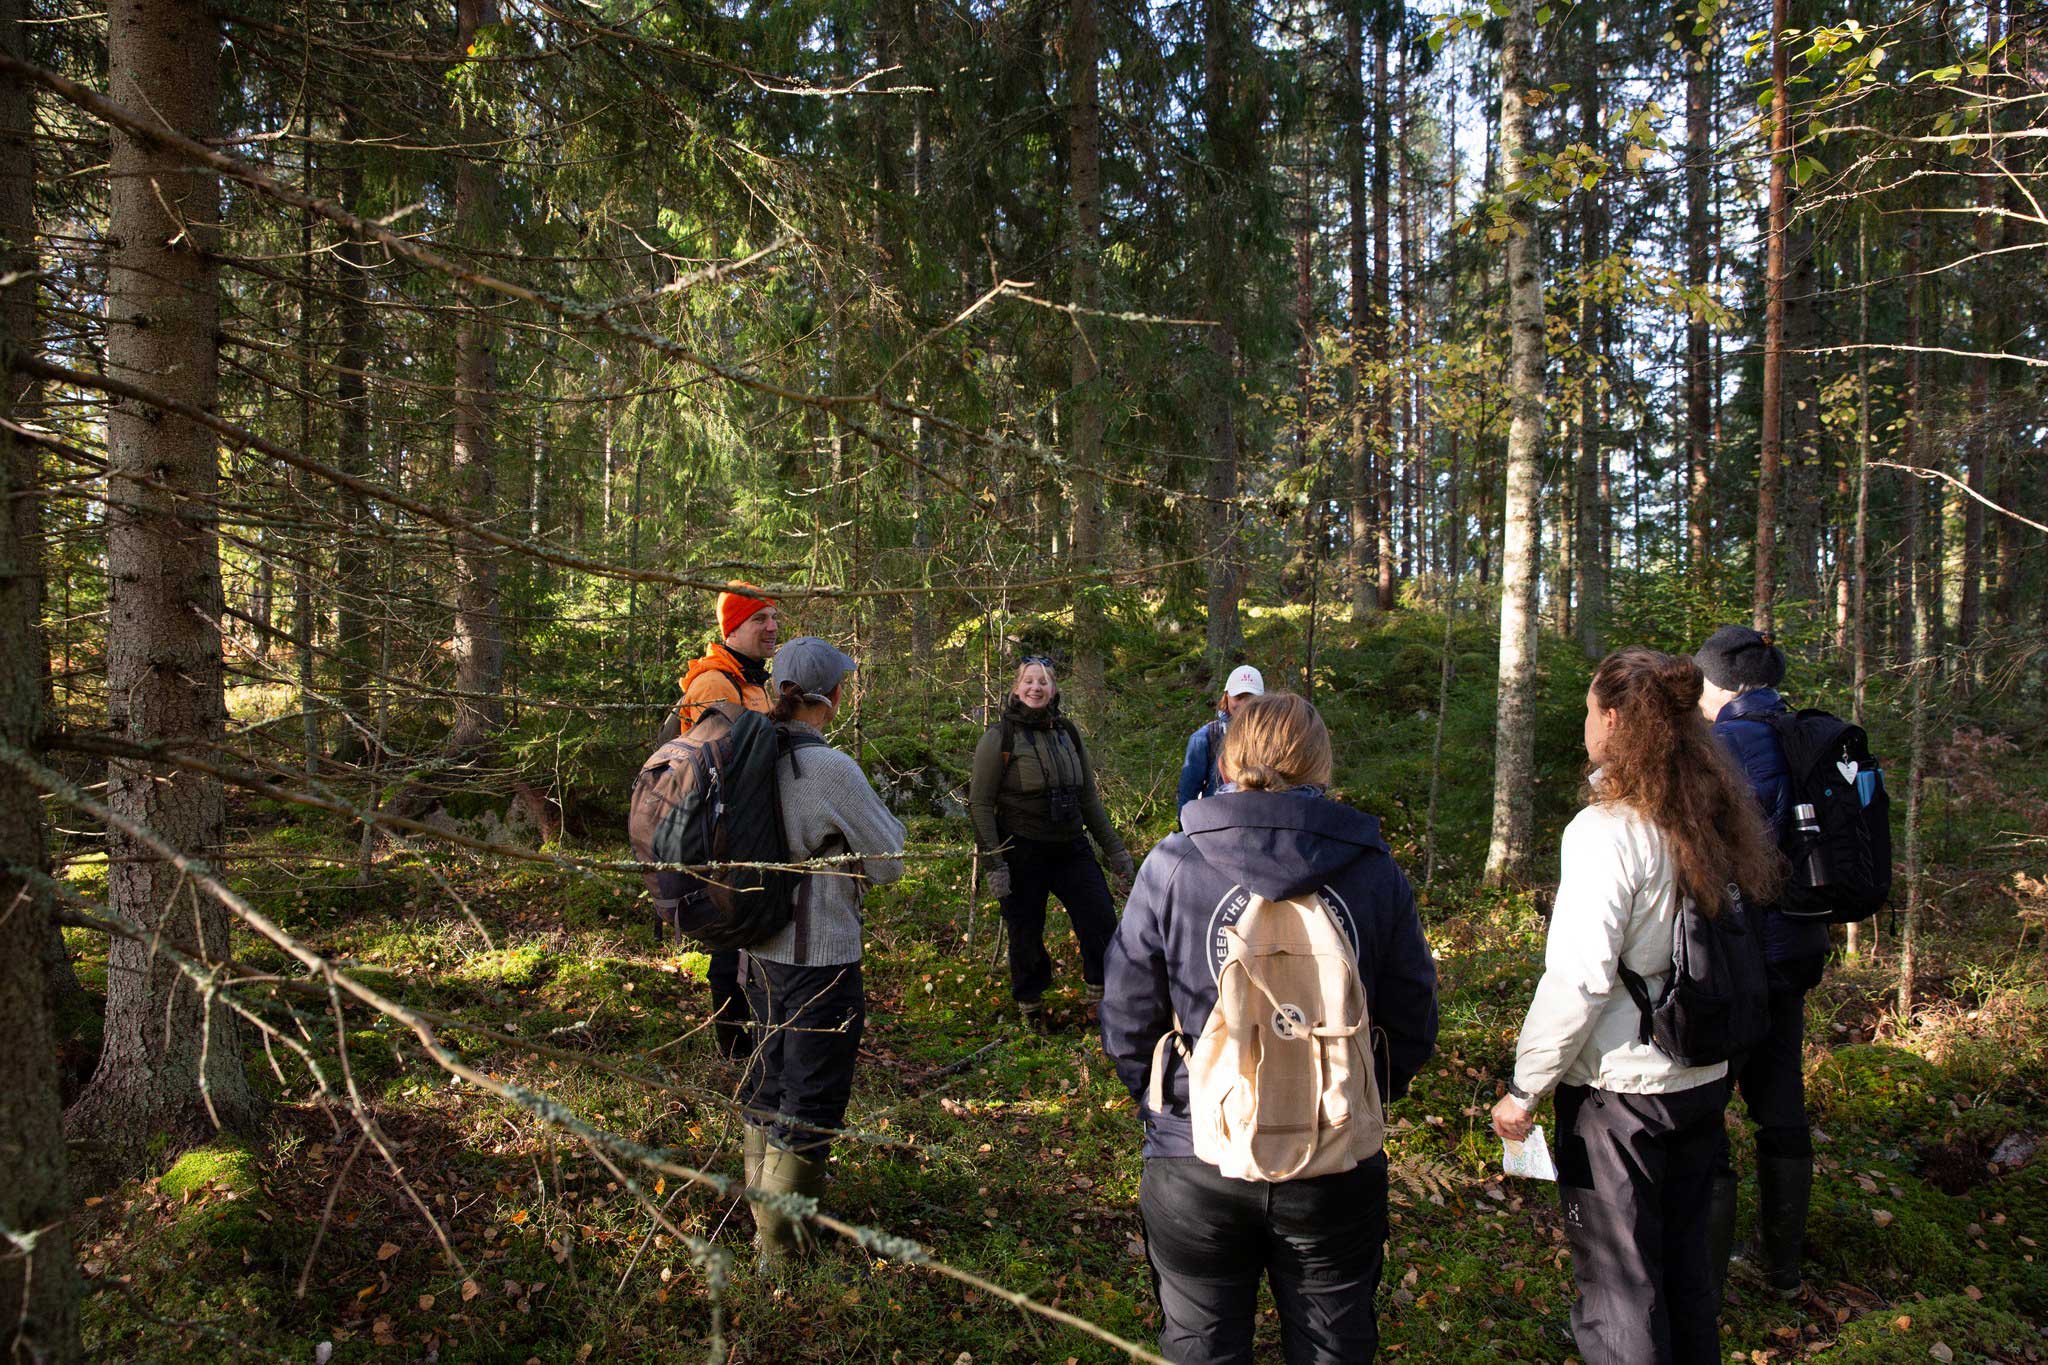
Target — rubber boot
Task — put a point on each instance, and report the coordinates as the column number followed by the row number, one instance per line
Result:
column 1784, row 1186
column 1033, row 1014
column 781, row 1238
column 1720, row 1233
column 753, row 1144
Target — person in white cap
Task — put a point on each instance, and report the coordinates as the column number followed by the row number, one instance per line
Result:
column 1198, row 774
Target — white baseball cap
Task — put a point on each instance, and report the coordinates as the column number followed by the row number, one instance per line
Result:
column 1245, row 682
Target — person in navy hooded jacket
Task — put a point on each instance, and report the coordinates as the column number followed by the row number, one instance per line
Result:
column 1211, row 1239
column 1742, row 670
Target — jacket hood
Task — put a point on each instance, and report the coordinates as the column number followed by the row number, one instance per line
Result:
column 1280, row 844
column 1038, row 717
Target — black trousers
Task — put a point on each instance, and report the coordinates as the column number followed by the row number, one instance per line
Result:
column 728, row 1003
column 1211, row 1239
column 1772, row 1077
column 1069, row 871
column 808, row 1023
column 1634, row 1174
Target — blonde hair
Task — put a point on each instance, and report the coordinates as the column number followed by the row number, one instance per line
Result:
column 1050, row 676
column 1277, row 741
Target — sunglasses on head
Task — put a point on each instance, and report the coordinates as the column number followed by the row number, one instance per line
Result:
column 1041, row 659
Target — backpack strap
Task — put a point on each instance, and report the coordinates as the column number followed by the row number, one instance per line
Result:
column 1639, row 991
column 1156, row 1099
column 1009, row 742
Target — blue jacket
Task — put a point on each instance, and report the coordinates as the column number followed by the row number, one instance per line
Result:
column 1164, row 959
column 1198, row 773
column 1754, row 746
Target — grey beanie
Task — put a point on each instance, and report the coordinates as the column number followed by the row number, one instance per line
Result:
column 811, row 665
column 1737, row 657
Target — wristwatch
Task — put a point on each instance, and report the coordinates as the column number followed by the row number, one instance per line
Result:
column 1521, row 1096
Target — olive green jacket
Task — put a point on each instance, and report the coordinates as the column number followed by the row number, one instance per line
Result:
column 1011, row 803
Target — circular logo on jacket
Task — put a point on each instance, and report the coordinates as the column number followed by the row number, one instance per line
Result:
column 1232, row 907
column 1290, row 1022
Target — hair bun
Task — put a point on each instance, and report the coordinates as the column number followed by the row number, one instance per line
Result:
column 1681, row 681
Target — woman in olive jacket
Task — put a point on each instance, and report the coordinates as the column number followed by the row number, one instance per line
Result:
column 1032, row 797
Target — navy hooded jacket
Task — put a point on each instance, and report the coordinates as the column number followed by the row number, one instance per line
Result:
column 1750, row 741
column 1168, row 949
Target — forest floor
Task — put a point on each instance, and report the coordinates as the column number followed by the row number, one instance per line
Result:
column 1015, row 1155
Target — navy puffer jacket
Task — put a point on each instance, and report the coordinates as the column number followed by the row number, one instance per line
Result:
column 1749, row 739
column 1168, row 949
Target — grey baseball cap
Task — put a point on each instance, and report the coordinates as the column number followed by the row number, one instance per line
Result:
column 811, row 665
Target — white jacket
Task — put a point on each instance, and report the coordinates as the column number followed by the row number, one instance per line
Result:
column 1615, row 903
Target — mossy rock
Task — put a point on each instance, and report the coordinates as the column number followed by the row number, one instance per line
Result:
column 221, row 1188
column 1972, row 1331
column 518, row 969
column 1904, row 1225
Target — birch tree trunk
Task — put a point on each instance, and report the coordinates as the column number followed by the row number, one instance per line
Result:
column 1514, row 770
column 1382, row 321
column 165, row 1067
column 38, row 1290
column 1919, row 654
column 479, row 643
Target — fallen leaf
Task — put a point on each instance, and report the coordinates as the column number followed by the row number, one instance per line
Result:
column 1973, row 1291
column 1940, row 1351
column 1881, row 1217
column 470, row 1289
column 387, row 1251
column 1902, row 1323
column 426, row 1302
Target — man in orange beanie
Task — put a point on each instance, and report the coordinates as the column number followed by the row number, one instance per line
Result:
column 736, row 669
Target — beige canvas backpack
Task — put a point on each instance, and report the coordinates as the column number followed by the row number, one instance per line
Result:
column 1281, row 1083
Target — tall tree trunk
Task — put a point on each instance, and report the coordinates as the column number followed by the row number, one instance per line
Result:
column 1304, row 562
column 1763, row 612
column 354, row 573
column 1364, row 508
column 1699, row 376
column 39, row 1287
column 1382, row 316
column 1858, row 566
column 1588, row 552
column 1227, row 155
column 1084, row 170
column 1514, row 772
column 1919, row 658
column 479, row 643
column 1984, row 311
column 166, row 1067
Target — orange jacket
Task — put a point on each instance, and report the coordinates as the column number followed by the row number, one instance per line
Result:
column 717, row 677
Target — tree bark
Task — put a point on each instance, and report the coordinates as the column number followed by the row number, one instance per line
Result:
column 1382, row 316
column 1699, row 374
column 170, row 1063
column 1985, row 311
column 38, row 1290
column 1588, row 552
column 1085, row 425
column 1918, row 658
column 1227, row 155
column 354, row 574
column 1763, row 611
column 1514, row 771
column 1364, row 508
column 479, row 642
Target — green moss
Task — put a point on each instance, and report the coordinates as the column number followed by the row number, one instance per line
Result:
column 1875, row 1087
column 220, row 1189
column 1971, row 1330
column 519, row 968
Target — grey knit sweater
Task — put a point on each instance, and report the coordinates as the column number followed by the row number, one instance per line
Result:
column 829, row 808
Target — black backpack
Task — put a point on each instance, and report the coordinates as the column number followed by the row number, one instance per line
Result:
column 709, row 797
column 1842, row 856
column 1715, row 1006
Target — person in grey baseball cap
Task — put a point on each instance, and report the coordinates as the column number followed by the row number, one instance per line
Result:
column 804, row 984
